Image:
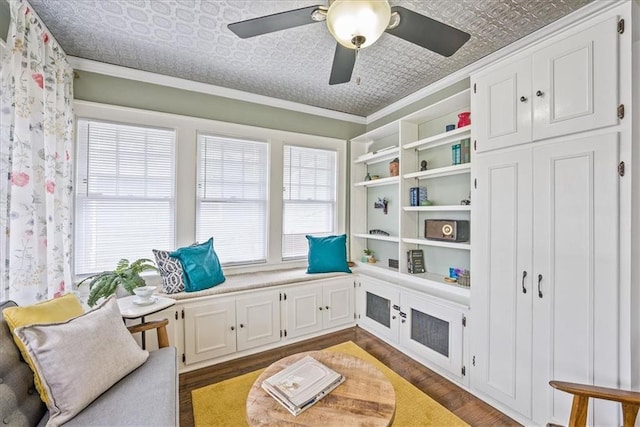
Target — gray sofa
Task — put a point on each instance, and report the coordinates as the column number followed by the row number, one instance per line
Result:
column 147, row 396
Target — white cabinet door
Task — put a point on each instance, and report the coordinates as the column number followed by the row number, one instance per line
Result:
column 501, row 294
column 258, row 319
column 575, row 82
column 379, row 308
column 501, row 106
column 304, row 310
column 575, row 267
column 432, row 332
column 209, row 330
column 338, row 301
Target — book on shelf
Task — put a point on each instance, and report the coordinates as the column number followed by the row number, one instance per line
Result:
column 301, row 384
column 415, row 261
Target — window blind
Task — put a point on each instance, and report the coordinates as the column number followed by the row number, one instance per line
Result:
column 232, row 197
column 309, row 177
column 124, row 194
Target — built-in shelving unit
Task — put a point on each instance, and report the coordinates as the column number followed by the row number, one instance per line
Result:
column 413, row 139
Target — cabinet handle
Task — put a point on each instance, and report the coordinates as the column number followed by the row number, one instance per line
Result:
column 403, row 320
column 241, row 325
column 523, row 99
column 524, row 274
column 393, row 317
column 326, row 307
column 539, row 93
column 320, row 308
column 539, row 281
column 233, row 328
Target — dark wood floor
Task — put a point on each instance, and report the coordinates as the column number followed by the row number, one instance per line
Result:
column 458, row 401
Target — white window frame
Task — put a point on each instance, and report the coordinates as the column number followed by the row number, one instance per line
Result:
column 115, row 199
column 187, row 129
column 311, row 203
column 201, row 200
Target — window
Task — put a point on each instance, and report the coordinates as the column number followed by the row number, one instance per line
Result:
column 124, row 193
column 309, row 178
column 232, row 197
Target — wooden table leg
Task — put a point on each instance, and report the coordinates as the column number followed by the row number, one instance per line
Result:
column 629, row 413
column 579, row 409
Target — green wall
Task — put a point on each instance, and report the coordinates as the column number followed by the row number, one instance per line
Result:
column 135, row 94
column 424, row 102
column 5, row 18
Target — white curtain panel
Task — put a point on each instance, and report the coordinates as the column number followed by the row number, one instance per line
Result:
column 36, row 162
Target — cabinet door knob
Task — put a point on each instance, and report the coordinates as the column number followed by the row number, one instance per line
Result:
column 241, row 325
column 320, row 308
column 326, row 307
column 539, row 93
column 233, row 328
column 523, row 99
column 393, row 317
column 524, row 274
column 403, row 320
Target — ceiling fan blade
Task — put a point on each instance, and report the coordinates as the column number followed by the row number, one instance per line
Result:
column 428, row 33
column 276, row 22
column 343, row 62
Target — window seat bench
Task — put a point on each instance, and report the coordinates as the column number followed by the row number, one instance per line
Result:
column 262, row 279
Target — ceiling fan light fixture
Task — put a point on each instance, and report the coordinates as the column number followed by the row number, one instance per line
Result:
column 358, row 23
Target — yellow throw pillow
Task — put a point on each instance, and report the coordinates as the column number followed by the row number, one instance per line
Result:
column 52, row 311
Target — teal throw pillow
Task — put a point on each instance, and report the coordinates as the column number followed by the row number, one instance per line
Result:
column 201, row 266
column 328, row 254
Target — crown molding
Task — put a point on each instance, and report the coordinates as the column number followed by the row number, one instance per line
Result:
column 190, row 85
column 592, row 9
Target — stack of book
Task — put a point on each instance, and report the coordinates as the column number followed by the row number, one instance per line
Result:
column 302, row 384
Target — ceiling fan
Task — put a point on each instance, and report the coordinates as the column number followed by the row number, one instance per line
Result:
column 356, row 24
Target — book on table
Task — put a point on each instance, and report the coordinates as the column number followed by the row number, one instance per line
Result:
column 301, row 384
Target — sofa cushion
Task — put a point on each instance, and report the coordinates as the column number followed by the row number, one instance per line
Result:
column 81, row 358
column 201, row 266
column 328, row 254
column 147, row 396
column 171, row 272
column 55, row 310
column 20, row 405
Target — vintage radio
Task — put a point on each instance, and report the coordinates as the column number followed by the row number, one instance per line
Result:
column 449, row 230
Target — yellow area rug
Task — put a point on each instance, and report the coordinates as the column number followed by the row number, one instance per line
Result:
column 224, row 403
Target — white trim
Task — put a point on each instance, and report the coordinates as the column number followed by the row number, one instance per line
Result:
column 564, row 23
column 178, row 83
column 3, row 44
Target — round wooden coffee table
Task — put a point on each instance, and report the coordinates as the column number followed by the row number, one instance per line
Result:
column 365, row 398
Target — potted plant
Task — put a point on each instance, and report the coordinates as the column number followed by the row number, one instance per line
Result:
column 368, row 256
column 125, row 276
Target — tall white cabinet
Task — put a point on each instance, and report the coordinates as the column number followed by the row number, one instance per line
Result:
column 554, row 218
column 545, row 300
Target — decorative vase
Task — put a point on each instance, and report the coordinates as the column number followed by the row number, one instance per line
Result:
column 464, row 119
column 368, row 177
column 394, row 167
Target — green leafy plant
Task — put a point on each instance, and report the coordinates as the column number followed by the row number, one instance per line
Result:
column 367, row 251
column 125, row 275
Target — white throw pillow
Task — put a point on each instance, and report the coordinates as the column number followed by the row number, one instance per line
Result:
column 81, row 358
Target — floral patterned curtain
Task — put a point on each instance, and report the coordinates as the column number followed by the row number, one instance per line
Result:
column 36, row 162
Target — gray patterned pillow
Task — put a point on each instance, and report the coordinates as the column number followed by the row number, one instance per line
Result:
column 171, row 271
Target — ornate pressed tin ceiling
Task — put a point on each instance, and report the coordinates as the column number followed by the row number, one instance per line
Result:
column 189, row 39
